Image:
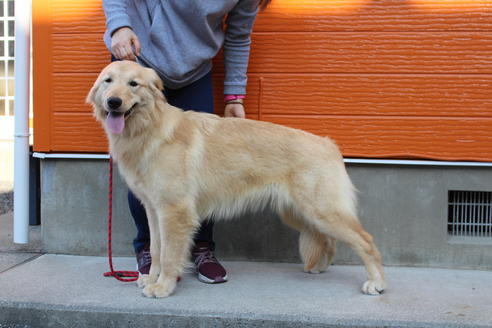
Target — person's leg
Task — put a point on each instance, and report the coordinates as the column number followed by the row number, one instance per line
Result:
column 141, row 242
column 197, row 96
column 205, row 233
column 140, row 218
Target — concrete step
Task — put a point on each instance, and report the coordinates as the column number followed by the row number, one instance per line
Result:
column 70, row 291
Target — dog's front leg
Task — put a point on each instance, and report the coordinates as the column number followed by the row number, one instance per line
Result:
column 155, row 247
column 177, row 223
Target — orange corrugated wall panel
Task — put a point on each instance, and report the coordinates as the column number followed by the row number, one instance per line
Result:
column 385, row 78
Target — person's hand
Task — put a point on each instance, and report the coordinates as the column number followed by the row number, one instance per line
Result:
column 235, row 109
column 125, row 44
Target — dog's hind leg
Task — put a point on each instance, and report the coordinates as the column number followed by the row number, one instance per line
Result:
column 327, row 204
column 316, row 249
column 177, row 224
column 347, row 228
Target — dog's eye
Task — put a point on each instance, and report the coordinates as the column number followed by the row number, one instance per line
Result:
column 133, row 83
column 108, row 80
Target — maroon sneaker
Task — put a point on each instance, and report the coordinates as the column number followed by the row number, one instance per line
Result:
column 144, row 260
column 207, row 267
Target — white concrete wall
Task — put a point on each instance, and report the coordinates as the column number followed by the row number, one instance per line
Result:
column 6, row 165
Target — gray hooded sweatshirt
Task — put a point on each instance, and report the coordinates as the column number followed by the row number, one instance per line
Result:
column 179, row 38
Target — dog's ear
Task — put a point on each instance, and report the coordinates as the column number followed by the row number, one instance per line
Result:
column 91, row 96
column 91, row 100
column 156, row 84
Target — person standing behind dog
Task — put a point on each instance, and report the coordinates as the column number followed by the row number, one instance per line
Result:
column 179, row 39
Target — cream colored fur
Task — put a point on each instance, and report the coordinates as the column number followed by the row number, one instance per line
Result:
column 187, row 166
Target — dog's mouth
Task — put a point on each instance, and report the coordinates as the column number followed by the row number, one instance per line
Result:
column 115, row 120
column 130, row 111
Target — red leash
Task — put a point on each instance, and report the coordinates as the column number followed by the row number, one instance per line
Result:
column 125, row 276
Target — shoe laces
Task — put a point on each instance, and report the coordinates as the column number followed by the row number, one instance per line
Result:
column 204, row 256
column 145, row 258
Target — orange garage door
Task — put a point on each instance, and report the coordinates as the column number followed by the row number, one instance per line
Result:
column 385, row 78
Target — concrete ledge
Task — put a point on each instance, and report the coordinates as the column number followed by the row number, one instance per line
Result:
column 6, row 201
column 70, row 291
column 405, row 208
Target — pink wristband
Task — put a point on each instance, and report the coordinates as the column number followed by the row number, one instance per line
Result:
column 233, row 97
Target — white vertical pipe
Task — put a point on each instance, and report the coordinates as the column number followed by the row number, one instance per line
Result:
column 21, row 132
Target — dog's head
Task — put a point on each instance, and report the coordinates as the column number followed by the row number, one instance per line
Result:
column 124, row 96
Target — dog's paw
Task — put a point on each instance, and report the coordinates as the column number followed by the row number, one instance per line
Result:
column 373, row 287
column 160, row 289
column 145, row 280
column 319, row 267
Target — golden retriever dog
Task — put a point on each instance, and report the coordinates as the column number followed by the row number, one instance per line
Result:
column 186, row 166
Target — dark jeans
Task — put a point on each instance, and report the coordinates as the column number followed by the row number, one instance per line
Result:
column 199, row 97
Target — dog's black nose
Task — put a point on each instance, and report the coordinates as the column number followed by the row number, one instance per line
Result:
column 114, row 102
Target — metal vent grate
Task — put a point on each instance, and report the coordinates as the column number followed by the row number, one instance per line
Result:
column 470, row 213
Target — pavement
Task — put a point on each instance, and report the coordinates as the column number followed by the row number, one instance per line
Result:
column 6, row 238
column 69, row 291
column 49, row 290
column 14, row 254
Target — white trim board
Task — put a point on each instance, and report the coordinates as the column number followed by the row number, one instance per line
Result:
column 346, row 160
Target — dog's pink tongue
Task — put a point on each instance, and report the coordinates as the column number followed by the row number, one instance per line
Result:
column 115, row 122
